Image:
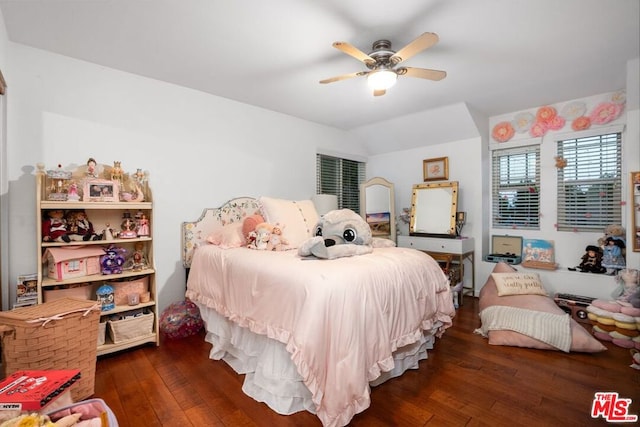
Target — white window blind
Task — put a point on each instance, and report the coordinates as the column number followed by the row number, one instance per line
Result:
column 589, row 186
column 516, row 187
column 341, row 177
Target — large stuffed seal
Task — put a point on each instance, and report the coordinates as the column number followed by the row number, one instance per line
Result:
column 339, row 233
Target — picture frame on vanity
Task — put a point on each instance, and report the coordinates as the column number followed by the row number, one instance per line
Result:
column 100, row 190
column 436, row 169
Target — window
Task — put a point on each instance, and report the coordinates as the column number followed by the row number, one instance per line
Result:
column 516, row 187
column 589, row 186
column 340, row 177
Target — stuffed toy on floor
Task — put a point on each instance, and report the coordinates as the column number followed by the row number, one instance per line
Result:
column 339, row 233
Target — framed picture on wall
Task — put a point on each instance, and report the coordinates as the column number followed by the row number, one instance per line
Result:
column 436, row 169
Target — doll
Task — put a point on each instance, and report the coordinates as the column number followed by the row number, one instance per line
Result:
column 79, row 227
column 612, row 258
column 54, row 227
column 591, row 261
column 143, row 226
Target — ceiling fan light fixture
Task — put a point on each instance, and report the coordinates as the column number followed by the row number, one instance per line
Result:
column 381, row 79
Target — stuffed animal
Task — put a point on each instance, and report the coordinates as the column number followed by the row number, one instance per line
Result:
column 54, row 227
column 339, row 233
column 591, row 261
column 262, row 236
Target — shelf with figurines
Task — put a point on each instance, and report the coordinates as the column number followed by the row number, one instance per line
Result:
column 94, row 226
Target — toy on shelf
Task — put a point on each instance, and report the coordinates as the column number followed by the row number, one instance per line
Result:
column 591, row 261
column 113, row 260
column 54, row 227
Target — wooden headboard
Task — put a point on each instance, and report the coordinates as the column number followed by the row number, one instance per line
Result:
column 195, row 232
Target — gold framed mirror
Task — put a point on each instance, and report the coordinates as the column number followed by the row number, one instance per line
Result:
column 433, row 209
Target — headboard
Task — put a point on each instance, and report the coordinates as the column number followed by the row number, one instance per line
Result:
column 195, row 232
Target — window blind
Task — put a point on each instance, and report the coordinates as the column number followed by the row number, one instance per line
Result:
column 341, row 177
column 516, row 187
column 590, row 185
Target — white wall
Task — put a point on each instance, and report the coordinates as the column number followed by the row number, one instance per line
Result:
column 200, row 150
column 469, row 164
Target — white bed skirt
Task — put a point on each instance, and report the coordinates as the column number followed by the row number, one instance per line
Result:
column 270, row 375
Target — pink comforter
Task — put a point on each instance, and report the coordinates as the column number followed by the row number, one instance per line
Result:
column 340, row 319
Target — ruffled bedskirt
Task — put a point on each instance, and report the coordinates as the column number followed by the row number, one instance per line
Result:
column 270, row 375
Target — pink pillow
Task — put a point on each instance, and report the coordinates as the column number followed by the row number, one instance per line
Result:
column 250, row 222
column 228, row 236
column 581, row 340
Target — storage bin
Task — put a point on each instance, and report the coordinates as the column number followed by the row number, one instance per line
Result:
column 121, row 289
column 131, row 328
column 82, row 292
column 90, row 409
column 60, row 334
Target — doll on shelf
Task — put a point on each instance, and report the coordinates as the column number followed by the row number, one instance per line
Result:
column 613, row 257
column 143, row 226
column 128, row 227
column 54, row 227
column 92, row 168
column 138, row 260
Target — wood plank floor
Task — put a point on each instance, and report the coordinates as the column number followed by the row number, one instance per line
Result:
column 465, row 382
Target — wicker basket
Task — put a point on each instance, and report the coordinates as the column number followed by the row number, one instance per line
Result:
column 60, row 334
column 131, row 328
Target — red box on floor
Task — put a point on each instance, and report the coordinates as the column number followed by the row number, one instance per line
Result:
column 32, row 390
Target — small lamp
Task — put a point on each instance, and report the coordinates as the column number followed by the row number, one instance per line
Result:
column 325, row 203
column 460, row 219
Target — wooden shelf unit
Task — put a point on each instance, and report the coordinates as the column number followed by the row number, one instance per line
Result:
column 635, row 211
column 100, row 214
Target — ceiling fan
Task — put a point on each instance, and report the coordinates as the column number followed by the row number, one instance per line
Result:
column 382, row 63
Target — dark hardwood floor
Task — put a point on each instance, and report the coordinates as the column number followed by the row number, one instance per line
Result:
column 465, row 382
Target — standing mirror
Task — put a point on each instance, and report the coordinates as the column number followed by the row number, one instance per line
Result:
column 433, row 210
column 377, row 207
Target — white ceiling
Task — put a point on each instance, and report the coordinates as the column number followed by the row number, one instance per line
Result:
column 500, row 55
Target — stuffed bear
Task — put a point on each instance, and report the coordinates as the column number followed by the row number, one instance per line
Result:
column 591, row 261
column 54, row 227
column 339, row 233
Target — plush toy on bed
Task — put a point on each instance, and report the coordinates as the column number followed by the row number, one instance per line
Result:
column 339, row 233
column 276, row 241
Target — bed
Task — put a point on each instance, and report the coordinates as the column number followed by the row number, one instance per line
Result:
column 310, row 334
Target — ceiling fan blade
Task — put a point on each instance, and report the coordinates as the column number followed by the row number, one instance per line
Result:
column 354, row 51
column 424, row 41
column 379, row 92
column 344, row 77
column 423, row 73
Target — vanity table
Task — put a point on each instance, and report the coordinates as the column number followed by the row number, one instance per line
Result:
column 432, row 228
column 460, row 249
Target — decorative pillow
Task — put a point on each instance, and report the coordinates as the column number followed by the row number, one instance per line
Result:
column 228, row 236
column 518, row 284
column 581, row 340
column 299, row 218
column 250, row 222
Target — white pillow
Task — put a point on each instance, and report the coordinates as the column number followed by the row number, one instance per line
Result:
column 518, row 284
column 296, row 218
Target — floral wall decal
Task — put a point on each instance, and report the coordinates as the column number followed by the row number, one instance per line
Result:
column 547, row 118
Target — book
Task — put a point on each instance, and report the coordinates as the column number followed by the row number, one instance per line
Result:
column 32, row 390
